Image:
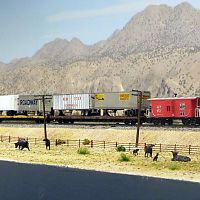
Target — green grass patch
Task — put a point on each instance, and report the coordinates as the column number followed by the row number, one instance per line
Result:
column 124, row 157
column 174, row 166
column 83, row 151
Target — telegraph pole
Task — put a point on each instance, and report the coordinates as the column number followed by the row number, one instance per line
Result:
column 45, row 125
column 139, row 103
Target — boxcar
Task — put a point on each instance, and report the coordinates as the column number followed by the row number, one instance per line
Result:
column 165, row 110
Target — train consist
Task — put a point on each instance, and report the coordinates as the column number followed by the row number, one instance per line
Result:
column 109, row 107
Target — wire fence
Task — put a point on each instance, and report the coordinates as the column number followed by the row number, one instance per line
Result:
column 109, row 145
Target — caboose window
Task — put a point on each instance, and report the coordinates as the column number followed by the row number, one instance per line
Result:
column 182, row 106
column 168, row 108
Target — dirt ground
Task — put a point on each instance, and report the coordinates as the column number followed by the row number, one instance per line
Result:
column 181, row 137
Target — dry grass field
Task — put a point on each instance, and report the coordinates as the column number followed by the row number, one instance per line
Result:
column 106, row 160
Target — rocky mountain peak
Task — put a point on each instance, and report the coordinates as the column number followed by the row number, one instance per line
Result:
column 185, row 6
column 75, row 40
column 155, row 27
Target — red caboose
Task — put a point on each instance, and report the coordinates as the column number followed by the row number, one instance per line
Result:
column 165, row 110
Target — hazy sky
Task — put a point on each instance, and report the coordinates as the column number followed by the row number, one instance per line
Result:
column 26, row 25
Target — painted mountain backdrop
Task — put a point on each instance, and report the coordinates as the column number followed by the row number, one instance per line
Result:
column 157, row 50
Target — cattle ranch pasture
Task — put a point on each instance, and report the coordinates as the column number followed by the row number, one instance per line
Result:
column 98, row 159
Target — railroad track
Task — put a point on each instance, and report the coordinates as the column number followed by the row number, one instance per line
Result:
column 93, row 125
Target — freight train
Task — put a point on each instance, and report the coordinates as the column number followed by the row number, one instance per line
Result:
column 109, row 107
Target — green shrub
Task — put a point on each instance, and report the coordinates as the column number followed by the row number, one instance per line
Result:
column 124, row 157
column 121, row 148
column 59, row 142
column 86, row 141
column 83, row 150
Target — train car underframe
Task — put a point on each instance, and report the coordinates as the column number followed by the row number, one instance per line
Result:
column 170, row 121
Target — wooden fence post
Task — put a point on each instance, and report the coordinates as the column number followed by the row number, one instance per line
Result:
column 79, row 143
column 175, row 147
column 67, row 142
column 9, row 139
column 91, row 143
column 35, row 141
column 116, row 144
column 160, row 148
column 104, row 144
column 1, row 138
column 56, row 142
column 129, row 147
column 189, row 149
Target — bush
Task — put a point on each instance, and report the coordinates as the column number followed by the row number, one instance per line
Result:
column 124, row 158
column 121, row 148
column 86, row 141
column 83, row 150
column 59, row 142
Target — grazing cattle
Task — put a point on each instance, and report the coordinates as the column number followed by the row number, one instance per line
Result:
column 22, row 143
column 47, row 143
column 148, row 149
column 180, row 158
column 135, row 151
column 156, row 157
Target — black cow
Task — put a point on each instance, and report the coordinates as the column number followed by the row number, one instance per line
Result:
column 148, row 149
column 135, row 151
column 47, row 143
column 180, row 158
column 22, row 143
column 156, row 157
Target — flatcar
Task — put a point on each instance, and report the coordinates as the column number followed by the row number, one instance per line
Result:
column 65, row 108
column 166, row 110
column 109, row 106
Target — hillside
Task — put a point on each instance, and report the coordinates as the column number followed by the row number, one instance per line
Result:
column 157, row 50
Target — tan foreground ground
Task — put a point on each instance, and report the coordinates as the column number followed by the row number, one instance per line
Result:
column 106, row 160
